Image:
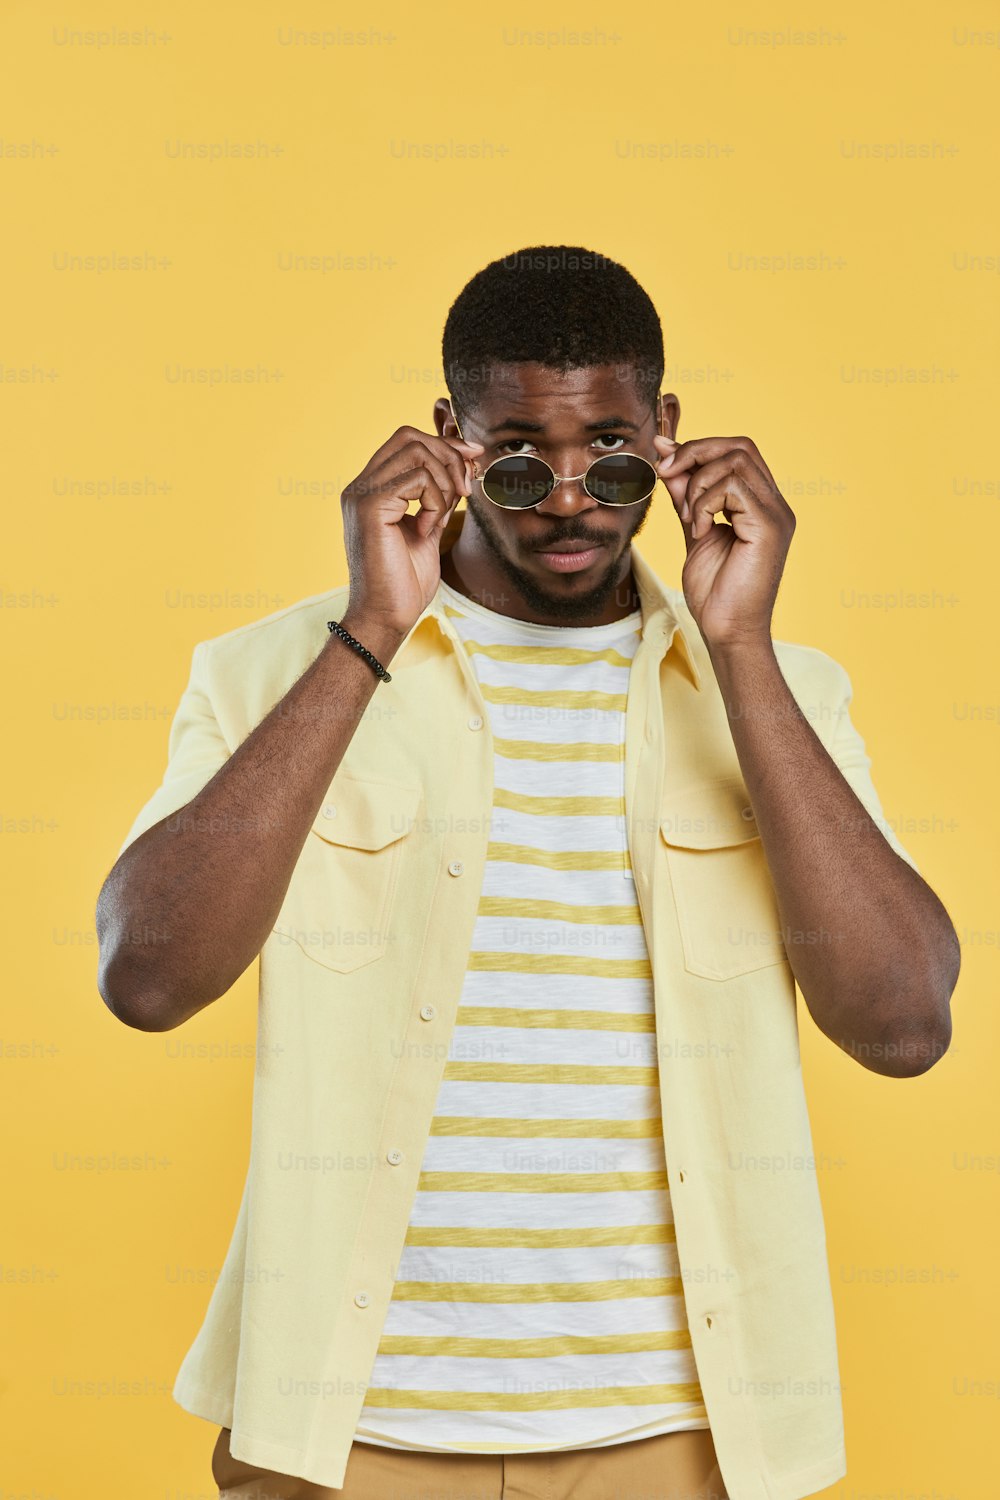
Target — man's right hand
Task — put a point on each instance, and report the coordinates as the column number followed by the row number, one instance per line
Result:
column 393, row 558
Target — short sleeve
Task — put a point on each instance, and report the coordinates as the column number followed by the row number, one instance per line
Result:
column 847, row 749
column 196, row 749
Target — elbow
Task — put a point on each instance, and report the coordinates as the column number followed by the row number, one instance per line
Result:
column 918, row 1028
column 910, row 1051
column 131, row 972
column 924, row 1031
column 137, row 994
column 900, row 1037
column 133, row 1003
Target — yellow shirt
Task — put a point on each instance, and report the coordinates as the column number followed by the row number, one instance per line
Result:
column 360, row 983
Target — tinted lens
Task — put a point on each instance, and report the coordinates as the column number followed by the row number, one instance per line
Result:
column 621, row 479
column 518, row 481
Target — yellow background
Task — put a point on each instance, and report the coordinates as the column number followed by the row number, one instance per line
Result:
column 144, row 514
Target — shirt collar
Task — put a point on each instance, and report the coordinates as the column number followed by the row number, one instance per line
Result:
column 659, row 614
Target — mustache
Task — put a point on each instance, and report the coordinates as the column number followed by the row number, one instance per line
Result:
column 571, row 536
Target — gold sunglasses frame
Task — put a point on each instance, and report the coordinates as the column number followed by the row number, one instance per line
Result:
column 561, row 478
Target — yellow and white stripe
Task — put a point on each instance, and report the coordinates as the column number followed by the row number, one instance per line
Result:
column 538, row 1303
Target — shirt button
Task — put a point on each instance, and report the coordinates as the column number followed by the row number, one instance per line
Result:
column 708, row 1320
column 680, row 1176
column 394, row 1157
column 427, row 1013
column 330, row 810
column 361, row 1299
column 476, row 722
column 456, row 867
column 747, row 813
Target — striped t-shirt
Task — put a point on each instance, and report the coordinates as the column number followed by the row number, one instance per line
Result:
column 538, row 1302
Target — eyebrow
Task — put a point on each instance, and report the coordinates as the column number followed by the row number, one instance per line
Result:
column 513, row 424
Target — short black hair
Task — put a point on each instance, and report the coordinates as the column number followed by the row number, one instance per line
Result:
column 556, row 305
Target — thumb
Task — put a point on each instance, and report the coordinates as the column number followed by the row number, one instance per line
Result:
column 677, row 487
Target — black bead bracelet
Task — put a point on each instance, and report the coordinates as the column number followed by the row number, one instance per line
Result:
column 335, row 628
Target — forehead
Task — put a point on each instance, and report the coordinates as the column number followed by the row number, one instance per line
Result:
column 531, row 387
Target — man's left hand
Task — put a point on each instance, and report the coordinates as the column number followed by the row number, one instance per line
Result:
column 731, row 573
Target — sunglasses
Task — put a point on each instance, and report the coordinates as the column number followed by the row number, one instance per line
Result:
column 522, row 480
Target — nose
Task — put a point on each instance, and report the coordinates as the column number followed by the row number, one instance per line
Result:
column 568, row 498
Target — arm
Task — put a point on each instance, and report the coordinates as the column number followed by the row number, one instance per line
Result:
column 189, row 903
column 880, row 986
column 880, row 981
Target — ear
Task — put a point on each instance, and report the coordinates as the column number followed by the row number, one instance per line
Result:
column 667, row 406
column 443, row 417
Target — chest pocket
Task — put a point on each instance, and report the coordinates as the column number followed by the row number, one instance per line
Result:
column 726, row 907
column 343, row 892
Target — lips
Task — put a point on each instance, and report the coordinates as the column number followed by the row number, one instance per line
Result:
column 576, row 560
column 567, row 547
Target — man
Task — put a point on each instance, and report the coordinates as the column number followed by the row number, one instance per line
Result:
column 530, row 1145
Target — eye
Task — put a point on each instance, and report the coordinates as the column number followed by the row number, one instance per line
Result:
column 615, row 437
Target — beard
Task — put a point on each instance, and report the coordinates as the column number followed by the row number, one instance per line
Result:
column 578, row 608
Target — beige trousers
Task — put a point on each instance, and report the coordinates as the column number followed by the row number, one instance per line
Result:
column 673, row 1466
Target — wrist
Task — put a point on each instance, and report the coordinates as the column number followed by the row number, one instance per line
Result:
column 740, row 649
column 382, row 639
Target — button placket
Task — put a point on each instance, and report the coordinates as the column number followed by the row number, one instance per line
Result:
column 416, row 1080
column 418, row 1077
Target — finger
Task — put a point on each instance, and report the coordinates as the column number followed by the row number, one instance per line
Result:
column 734, row 497
column 677, row 488
column 737, row 461
column 450, row 475
column 675, row 458
column 457, row 453
column 681, row 510
column 444, row 450
column 435, row 503
column 703, row 450
column 439, row 455
column 667, row 447
column 468, row 453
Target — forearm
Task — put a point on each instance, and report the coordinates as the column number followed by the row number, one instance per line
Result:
column 872, row 948
column 188, row 906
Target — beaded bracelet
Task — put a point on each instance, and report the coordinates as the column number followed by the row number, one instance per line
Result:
column 335, row 627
